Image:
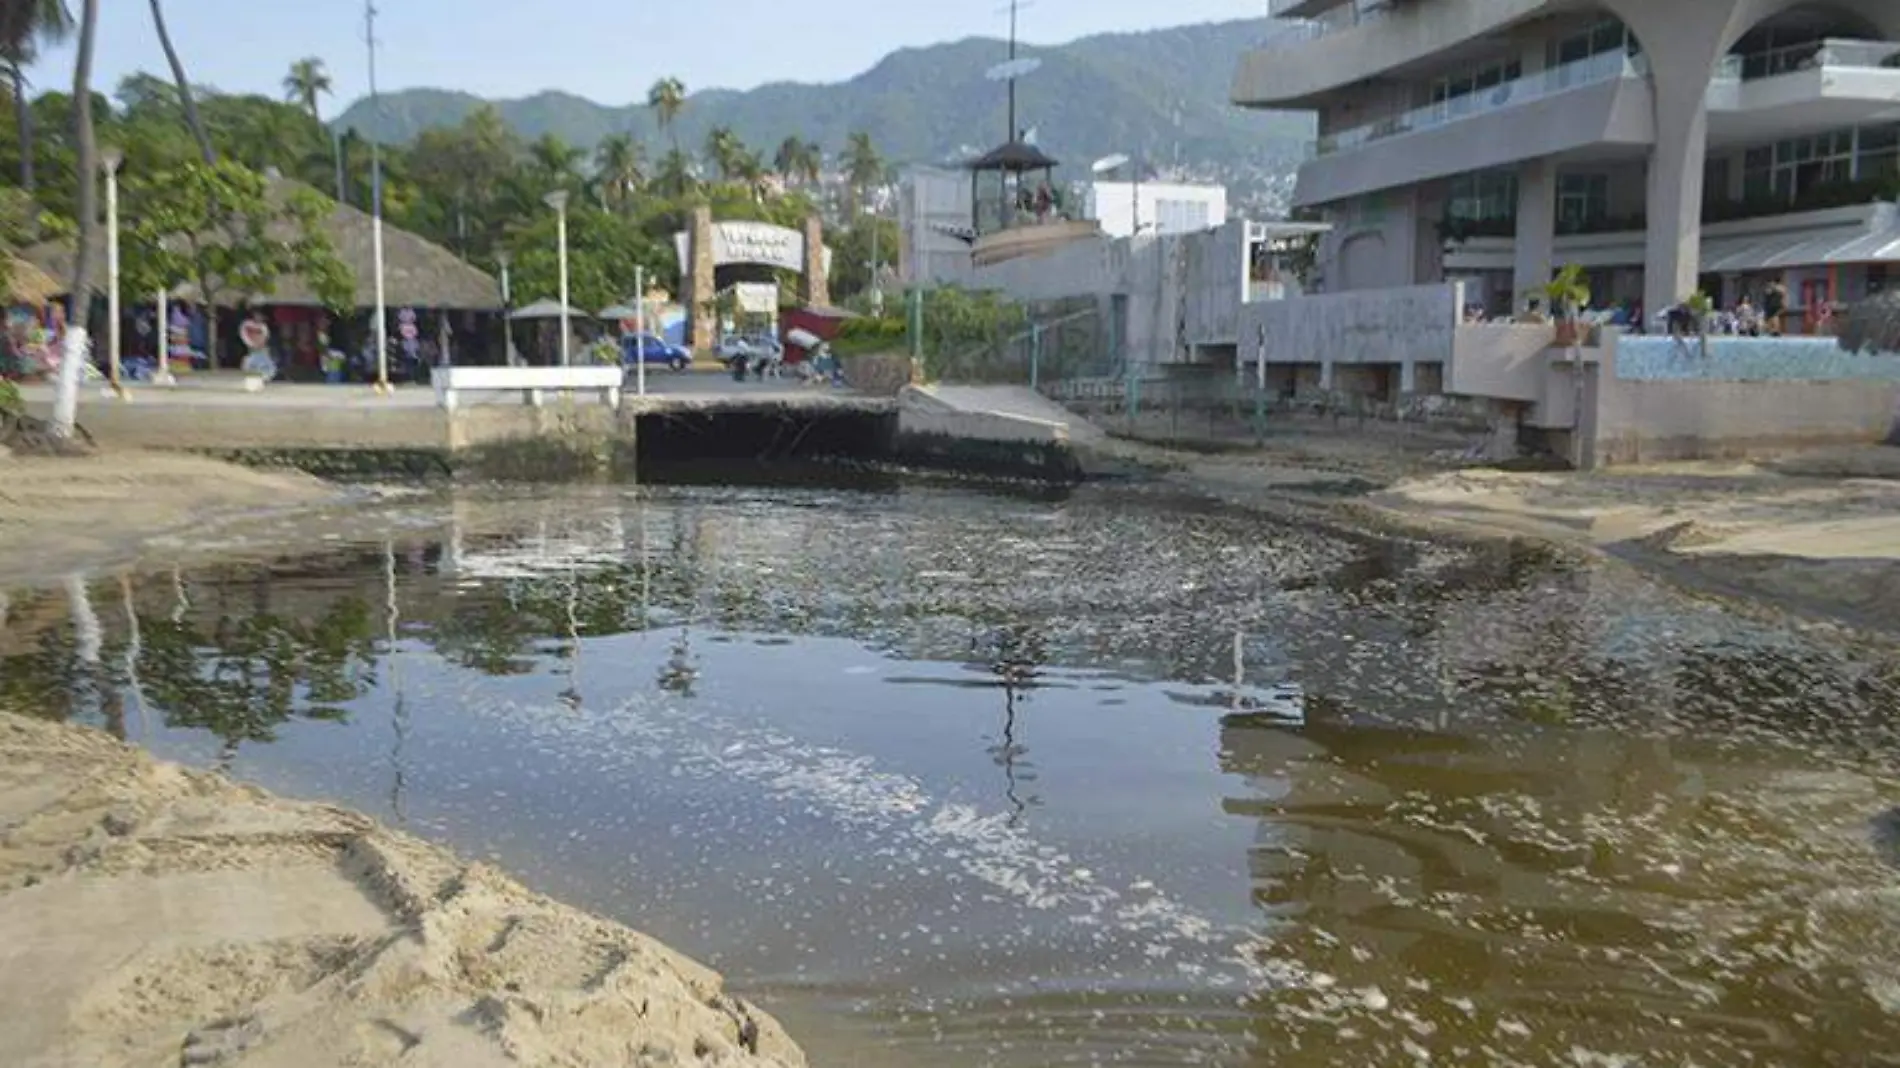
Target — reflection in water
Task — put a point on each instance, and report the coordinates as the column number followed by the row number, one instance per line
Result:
column 399, row 711
column 1299, row 800
column 1017, row 655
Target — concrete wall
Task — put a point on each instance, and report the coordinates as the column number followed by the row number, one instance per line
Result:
column 1181, row 290
column 1661, row 400
column 1503, row 361
column 1390, row 326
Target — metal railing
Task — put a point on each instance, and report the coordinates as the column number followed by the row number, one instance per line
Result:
column 1811, row 55
column 1603, row 67
column 1296, row 32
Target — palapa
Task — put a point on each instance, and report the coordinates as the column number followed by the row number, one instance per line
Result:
column 416, row 272
column 27, row 284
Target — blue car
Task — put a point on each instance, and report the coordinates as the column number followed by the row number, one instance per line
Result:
column 653, row 350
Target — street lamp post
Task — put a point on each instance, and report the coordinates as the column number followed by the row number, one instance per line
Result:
column 558, row 201
column 111, row 159
column 503, row 259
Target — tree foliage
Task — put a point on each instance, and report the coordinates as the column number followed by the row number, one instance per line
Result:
column 222, row 227
column 604, row 248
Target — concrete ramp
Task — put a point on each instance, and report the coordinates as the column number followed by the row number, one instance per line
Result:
column 988, row 430
column 1015, row 402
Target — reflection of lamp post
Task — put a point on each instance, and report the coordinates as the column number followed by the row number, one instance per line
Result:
column 558, row 201
column 110, row 160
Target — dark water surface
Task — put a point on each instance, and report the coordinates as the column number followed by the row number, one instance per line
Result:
column 946, row 778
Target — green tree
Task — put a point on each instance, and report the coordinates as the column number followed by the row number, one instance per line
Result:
column 306, row 82
column 25, row 25
column 603, row 250
column 676, row 174
column 863, row 168
column 470, row 172
column 725, row 152
column 225, row 228
column 798, row 160
column 620, row 168
column 667, row 98
column 555, row 163
column 185, row 97
column 869, row 238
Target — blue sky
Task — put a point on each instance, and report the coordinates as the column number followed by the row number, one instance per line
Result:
column 607, row 50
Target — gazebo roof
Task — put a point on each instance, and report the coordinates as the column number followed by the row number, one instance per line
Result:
column 1013, row 156
column 27, row 284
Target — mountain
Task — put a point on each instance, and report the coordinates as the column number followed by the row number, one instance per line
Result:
column 1160, row 95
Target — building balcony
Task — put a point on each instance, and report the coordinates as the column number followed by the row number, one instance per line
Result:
column 1793, row 91
column 1603, row 100
column 1031, row 238
column 1293, row 69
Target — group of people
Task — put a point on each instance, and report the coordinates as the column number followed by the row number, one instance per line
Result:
column 1748, row 318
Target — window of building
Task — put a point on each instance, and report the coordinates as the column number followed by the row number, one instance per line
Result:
column 1789, row 168
column 1607, row 35
column 1770, row 50
column 1181, row 216
column 1483, row 196
column 1583, row 201
column 1878, row 153
column 1456, row 90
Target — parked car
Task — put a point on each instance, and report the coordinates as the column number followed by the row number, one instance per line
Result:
column 653, row 350
column 753, row 347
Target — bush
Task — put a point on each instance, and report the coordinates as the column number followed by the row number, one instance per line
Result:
column 10, row 401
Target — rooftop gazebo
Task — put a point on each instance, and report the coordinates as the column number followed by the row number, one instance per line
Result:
column 1009, row 162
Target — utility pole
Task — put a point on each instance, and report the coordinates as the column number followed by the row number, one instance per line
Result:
column 376, row 203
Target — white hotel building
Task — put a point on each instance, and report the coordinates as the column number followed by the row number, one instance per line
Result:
column 1665, row 145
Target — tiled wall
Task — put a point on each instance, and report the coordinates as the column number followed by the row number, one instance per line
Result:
column 1743, row 359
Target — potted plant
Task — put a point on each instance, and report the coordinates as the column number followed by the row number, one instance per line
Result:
column 1700, row 307
column 1566, row 296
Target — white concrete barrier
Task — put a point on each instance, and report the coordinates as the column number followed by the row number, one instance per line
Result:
column 532, row 382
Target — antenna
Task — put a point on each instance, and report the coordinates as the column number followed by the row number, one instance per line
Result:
column 1015, row 70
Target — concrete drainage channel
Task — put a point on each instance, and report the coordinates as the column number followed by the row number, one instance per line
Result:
column 958, row 435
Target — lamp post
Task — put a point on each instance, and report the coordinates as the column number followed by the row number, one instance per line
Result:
column 558, row 201
column 640, row 328
column 376, row 207
column 503, row 259
column 110, row 160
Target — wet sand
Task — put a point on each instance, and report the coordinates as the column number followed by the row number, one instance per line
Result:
column 155, row 915
column 57, row 514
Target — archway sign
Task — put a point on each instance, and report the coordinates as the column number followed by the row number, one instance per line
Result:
column 750, row 242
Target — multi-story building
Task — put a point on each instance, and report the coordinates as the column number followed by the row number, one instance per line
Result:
column 1155, row 207
column 1667, row 146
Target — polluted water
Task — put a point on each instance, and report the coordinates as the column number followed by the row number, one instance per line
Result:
column 948, row 777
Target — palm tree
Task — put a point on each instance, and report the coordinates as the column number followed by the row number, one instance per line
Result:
column 86, row 165
column 184, row 85
column 863, row 167
column 797, row 160
column 24, row 26
column 749, row 168
column 620, row 166
column 676, row 173
column 557, row 162
column 667, row 98
column 307, row 81
column 725, row 151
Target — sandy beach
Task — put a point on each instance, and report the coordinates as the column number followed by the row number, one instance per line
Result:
column 61, row 513
column 160, row 916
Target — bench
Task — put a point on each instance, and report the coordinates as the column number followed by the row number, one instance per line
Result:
column 533, row 382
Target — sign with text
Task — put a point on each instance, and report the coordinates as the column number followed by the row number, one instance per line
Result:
column 756, row 298
column 750, row 242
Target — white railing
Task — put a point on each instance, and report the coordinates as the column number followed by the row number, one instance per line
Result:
column 1810, row 55
column 1603, row 67
column 1302, row 31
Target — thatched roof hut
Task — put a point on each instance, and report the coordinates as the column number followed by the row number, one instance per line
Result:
column 416, row 272
column 27, row 284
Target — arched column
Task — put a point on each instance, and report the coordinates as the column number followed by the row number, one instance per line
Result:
column 1683, row 40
